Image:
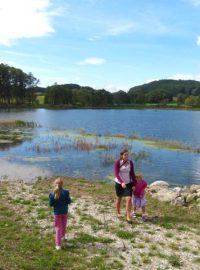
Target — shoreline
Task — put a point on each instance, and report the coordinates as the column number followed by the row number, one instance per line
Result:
column 120, row 107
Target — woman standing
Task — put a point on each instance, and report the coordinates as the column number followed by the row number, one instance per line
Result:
column 124, row 181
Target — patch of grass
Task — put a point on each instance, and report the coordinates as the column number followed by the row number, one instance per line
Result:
column 146, row 239
column 174, row 246
column 146, row 259
column 42, row 213
column 179, row 217
column 161, row 255
column 91, row 220
column 153, row 247
column 175, row 261
column 169, row 234
column 168, row 226
column 40, row 100
column 124, row 234
column 197, row 260
column 141, row 245
column 195, row 252
column 183, row 228
column 186, row 249
column 85, row 238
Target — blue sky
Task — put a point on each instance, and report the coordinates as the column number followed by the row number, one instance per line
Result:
column 110, row 44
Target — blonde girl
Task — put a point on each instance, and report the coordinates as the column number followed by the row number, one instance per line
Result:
column 59, row 199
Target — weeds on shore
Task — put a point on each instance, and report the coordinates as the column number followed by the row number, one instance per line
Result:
column 106, row 244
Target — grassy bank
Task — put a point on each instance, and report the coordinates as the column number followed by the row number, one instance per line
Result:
column 40, row 104
column 96, row 238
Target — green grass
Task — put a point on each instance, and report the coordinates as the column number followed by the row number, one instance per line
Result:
column 175, row 261
column 124, row 234
column 197, row 260
column 29, row 246
column 40, row 100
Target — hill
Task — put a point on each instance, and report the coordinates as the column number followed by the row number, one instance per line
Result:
column 164, row 91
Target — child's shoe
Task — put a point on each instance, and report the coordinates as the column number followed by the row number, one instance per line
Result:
column 58, row 247
column 129, row 221
column 64, row 238
column 144, row 218
column 134, row 215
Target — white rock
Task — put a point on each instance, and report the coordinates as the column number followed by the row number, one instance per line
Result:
column 179, row 201
column 194, row 188
column 190, row 197
column 166, row 195
column 178, row 190
column 159, row 183
column 157, row 186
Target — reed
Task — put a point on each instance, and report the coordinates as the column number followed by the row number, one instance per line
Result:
column 17, row 123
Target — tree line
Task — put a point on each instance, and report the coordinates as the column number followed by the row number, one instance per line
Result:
column 18, row 87
column 158, row 92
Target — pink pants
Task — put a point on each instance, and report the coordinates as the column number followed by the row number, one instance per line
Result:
column 60, row 224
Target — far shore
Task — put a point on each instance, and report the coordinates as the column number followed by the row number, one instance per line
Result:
column 125, row 107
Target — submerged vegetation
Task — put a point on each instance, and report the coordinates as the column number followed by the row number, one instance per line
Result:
column 16, row 123
column 13, row 132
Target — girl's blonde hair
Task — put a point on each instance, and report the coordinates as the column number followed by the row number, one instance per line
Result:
column 139, row 174
column 57, row 184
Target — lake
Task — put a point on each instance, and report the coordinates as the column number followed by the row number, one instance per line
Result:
column 60, row 145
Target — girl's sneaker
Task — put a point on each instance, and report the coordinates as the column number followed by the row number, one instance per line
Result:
column 58, row 247
column 144, row 218
column 134, row 215
column 64, row 237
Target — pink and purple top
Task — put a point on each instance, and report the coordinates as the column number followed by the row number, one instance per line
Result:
column 124, row 174
column 140, row 188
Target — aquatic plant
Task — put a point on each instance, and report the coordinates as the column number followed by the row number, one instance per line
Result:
column 108, row 159
column 140, row 156
column 17, row 123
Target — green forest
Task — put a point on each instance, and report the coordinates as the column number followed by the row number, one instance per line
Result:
column 20, row 88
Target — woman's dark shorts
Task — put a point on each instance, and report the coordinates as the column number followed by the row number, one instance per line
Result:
column 123, row 192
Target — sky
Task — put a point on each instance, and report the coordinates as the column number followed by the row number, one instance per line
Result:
column 110, row 44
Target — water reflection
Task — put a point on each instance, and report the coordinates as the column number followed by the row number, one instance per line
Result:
column 59, row 148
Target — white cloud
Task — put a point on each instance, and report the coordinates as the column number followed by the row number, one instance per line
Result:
column 121, row 29
column 114, row 88
column 195, row 3
column 93, row 38
column 185, row 77
column 24, row 19
column 92, row 61
column 198, row 40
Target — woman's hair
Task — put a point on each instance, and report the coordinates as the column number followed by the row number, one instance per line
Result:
column 57, row 184
column 125, row 150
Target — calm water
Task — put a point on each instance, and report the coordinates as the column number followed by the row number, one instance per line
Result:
column 176, row 167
